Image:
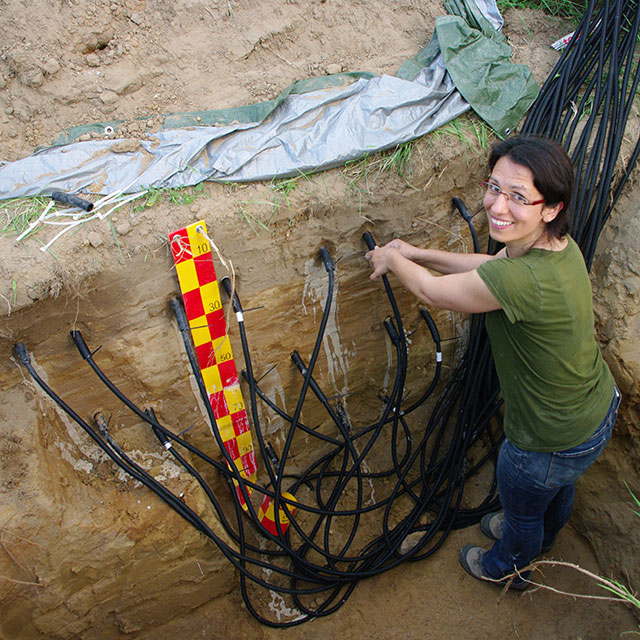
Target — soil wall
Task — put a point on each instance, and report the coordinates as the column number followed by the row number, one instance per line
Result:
column 88, row 553
column 97, row 539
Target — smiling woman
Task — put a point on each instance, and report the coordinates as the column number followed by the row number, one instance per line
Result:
column 528, row 195
column 560, row 398
column 515, row 217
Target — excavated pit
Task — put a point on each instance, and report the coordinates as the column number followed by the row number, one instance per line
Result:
column 88, row 553
column 109, row 559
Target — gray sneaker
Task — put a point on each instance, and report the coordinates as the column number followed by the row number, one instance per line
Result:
column 471, row 561
column 492, row 524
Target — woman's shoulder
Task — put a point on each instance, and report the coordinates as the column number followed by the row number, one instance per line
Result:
column 570, row 257
column 510, row 278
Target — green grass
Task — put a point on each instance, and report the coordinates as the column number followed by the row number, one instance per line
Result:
column 468, row 129
column 619, row 592
column 115, row 237
column 18, row 213
column 567, row 9
column 282, row 187
column 251, row 219
column 400, row 160
column 177, row 196
column 635, row 499
column 474, row 134
column 615, row 587
column 358, row 172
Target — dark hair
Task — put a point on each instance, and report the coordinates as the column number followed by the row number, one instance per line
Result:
column 552, row 173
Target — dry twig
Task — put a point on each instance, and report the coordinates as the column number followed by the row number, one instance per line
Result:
column 624, row 595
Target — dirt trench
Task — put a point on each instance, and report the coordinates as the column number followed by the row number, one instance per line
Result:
column 111, row 561
column 88, row 553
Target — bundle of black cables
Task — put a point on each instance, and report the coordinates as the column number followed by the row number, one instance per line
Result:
column 585, row 105
column 384, row 493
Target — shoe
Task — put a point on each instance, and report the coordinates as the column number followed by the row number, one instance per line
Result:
column 471, row 561
column 492, row 524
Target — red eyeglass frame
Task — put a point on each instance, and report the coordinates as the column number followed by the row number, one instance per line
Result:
column 486, row 183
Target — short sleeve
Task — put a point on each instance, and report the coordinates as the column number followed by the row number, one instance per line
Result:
column 514, row 285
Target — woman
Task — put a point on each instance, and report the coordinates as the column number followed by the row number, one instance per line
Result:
column 559, row 396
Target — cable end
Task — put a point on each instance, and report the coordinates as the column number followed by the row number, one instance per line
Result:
column 459, row 205
column 76, row 336
column 22, row 353
column 368, row 240
column 326, row 258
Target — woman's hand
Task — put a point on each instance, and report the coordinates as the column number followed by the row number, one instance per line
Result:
column 380, row 258
column 405, row 249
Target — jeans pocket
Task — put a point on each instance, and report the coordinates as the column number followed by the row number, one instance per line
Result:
column 596, row 441
column 514, row 456
column 601, row 435
column 522, row 468
column 567, row 466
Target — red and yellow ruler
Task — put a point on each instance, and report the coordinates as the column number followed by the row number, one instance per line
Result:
column 201, row 297
column 265, row 514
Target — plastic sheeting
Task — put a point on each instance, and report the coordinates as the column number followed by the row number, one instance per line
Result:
column 477, row 58
column 301, row 132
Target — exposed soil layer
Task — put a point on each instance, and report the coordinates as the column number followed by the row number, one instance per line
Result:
column 87, row 553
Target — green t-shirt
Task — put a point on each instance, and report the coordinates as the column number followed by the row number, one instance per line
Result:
column 556, row 386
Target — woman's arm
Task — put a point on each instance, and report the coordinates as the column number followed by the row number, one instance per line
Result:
column 463, row 291
column 444, row 262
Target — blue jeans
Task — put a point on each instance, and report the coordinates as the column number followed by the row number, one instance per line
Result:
column 536, row 491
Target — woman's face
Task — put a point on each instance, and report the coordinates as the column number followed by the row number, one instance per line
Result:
column 511, row 222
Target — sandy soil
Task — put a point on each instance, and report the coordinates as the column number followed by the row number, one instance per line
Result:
column 66, row 62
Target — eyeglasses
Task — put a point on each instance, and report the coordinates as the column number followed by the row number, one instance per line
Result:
column 493, row 191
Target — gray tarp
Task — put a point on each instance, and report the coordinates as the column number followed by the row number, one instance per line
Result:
column 307, row 131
